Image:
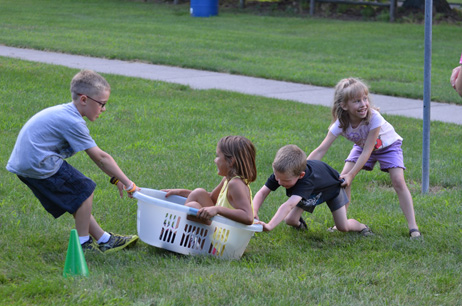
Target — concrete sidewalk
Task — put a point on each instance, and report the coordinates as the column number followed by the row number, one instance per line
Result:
column 199, row 79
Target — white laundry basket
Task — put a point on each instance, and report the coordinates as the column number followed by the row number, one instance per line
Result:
column 162, row 223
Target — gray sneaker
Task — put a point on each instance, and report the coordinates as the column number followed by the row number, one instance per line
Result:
column 302, row 226
column 117, row 242
column 366, row 231
column 90, row 246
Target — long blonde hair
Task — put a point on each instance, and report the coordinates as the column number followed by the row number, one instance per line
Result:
column 345, row 91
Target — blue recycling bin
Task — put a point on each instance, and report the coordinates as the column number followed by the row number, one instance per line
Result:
column 204, row 8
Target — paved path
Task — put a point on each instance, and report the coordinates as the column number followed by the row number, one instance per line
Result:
column 199, row 79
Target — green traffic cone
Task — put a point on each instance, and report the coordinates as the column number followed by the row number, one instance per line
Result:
column 75, row 260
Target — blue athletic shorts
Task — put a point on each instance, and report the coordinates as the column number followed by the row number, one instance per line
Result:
column 62, row 192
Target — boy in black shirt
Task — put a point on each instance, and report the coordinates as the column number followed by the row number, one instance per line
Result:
column 308, row 183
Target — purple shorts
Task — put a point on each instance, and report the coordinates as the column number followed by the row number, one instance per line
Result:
column 388, row 157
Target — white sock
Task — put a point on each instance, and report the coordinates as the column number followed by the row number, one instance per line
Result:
column 84, row 239
column 104, row 238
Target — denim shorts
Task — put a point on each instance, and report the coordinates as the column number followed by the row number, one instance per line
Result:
column 388, row 157
column 65, row 191
column 334, row 203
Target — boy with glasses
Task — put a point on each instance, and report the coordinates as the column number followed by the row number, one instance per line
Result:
column 56, row 133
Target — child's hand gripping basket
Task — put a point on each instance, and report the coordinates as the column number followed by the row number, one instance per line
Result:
column 162, row 223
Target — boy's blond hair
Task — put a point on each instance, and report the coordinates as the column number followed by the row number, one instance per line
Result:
column 290, row 159
column 88, row 82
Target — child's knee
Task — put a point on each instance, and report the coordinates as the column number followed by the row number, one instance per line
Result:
column 197, row 193
column 87, row 204
column 199, row 190
column 399, row 185
column 193, row 204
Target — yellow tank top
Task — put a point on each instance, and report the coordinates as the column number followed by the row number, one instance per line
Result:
column 223, row 196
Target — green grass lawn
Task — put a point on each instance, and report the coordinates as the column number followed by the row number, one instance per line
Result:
column 163, row 136
column 390, row 57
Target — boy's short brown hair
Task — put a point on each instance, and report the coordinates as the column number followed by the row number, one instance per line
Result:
column 88, row 82
column 290, row 159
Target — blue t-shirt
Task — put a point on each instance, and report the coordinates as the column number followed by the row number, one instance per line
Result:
column 49, row 137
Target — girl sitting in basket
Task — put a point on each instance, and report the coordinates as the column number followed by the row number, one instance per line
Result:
column 232, row 198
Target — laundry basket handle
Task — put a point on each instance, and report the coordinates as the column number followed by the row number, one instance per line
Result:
column 193, row 211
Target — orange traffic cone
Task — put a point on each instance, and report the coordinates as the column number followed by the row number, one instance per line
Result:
column 75, row 260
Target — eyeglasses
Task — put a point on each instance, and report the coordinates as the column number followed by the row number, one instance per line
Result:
column 102, row 104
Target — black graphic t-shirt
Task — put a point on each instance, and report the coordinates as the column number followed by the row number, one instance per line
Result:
column 320, row 183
